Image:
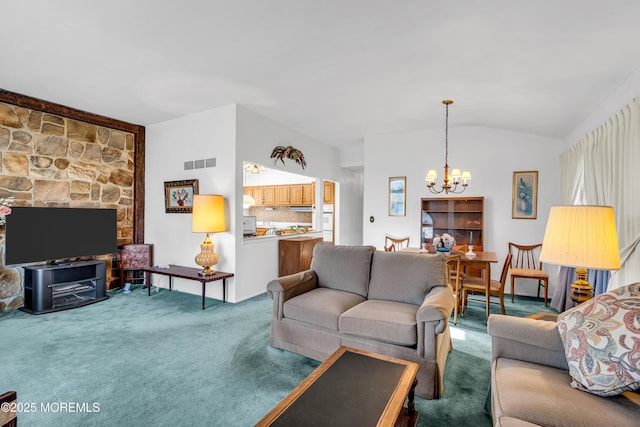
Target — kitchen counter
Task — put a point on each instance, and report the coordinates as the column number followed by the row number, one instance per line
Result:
column 288, row 235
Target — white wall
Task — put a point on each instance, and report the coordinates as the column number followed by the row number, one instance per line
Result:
column 168, row 145
column 257, row 262
column 491, row 155
column 623, row 95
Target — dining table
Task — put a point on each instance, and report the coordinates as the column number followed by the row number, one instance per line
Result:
column 482, row 260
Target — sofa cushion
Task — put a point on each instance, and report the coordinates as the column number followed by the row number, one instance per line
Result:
column 345, row 268
column 405, row 277
column 601, row 338
column 321, row 307
column 542, row 395
column 387, row 321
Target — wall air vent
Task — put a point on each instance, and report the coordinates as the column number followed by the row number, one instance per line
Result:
column 200, row 163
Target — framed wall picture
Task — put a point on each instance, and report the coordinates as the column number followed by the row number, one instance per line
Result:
column 178, row 195
column 524, row 200
column 397, row 196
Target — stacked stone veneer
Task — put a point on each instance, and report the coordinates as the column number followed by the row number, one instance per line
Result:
column 49, row 160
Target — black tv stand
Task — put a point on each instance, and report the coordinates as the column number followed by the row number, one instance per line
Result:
column 49, row 288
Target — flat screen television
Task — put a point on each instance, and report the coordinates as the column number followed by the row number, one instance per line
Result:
column 59, row 234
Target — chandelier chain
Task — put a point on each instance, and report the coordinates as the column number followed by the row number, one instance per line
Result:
column 446, row 136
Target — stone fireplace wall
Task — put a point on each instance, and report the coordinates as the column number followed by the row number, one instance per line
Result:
column 51, row 160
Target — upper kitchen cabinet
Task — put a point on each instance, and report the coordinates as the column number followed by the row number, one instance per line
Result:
column 282, row 195
column 264, row 195
column 308, row 194
column 301, row 194
column 328, row 192
column 295, row 194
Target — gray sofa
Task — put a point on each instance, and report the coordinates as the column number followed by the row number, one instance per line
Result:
column 530, row 381
column 395, row 304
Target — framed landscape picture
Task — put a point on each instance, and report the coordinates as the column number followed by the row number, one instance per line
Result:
column 524, row 200
column 397, row 195
column 178, row 195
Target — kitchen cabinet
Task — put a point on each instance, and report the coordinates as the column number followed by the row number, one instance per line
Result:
column 328, row 192
column 308, row 194
column 295, row 254
column 264, row 195
column 282, row 195
column 296, row 194
column 301, row 194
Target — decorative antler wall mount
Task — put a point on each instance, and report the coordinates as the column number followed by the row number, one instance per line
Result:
column 281, row 152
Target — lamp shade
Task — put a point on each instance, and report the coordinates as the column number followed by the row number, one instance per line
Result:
column 208, row 214
column 581, row 236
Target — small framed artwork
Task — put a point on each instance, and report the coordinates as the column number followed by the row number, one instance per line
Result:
column 397, row 195
column 524, row 200
column 178, row 195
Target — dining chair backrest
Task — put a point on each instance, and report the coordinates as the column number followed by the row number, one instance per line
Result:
column 395, row 243
column 525, row 256
column 526, row 264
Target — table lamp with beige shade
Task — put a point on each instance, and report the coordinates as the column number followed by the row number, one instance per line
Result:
column 583, row 237
column 207, row 217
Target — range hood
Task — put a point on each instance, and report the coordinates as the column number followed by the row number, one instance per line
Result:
column 300, row 209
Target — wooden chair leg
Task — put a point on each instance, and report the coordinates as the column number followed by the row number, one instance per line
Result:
column 546, row 290
column 463, row 302
column 513, row 291
column 455, row 309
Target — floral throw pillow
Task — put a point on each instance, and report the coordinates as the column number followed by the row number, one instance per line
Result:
column 601, row 340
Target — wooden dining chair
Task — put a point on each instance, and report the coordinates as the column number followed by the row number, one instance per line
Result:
column 395, row 243
column 526, row 264
column 453, row 266
column 477, row 285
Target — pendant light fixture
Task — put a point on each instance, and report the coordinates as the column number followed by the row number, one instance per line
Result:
column 451, row 181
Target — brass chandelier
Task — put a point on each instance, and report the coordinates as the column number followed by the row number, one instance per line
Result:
column 451, row 181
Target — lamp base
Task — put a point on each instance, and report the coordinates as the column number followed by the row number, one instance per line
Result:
column 207, row 271
column 207, row 258
column 581, row 291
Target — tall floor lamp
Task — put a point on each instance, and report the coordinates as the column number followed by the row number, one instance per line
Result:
column 584, row 237
column 207, row 217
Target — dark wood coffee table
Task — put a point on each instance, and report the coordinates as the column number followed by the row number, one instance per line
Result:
column 351, row 388
column 188, row 273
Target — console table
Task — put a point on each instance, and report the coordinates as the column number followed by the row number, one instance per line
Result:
column 188, row 273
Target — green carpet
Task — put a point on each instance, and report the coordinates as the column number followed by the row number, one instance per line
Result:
column 135, row 360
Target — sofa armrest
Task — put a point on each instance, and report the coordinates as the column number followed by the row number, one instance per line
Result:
column 529, row 340
column 437, row 307
column 286, row 287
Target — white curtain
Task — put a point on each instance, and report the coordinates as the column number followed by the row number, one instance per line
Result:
column 603, row 168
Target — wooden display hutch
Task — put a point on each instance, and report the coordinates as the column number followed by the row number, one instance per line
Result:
column 457, row 216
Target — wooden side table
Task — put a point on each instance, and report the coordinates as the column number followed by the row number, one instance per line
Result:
column 188, row 273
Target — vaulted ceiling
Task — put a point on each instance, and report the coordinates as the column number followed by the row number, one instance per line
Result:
column 336, row 70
